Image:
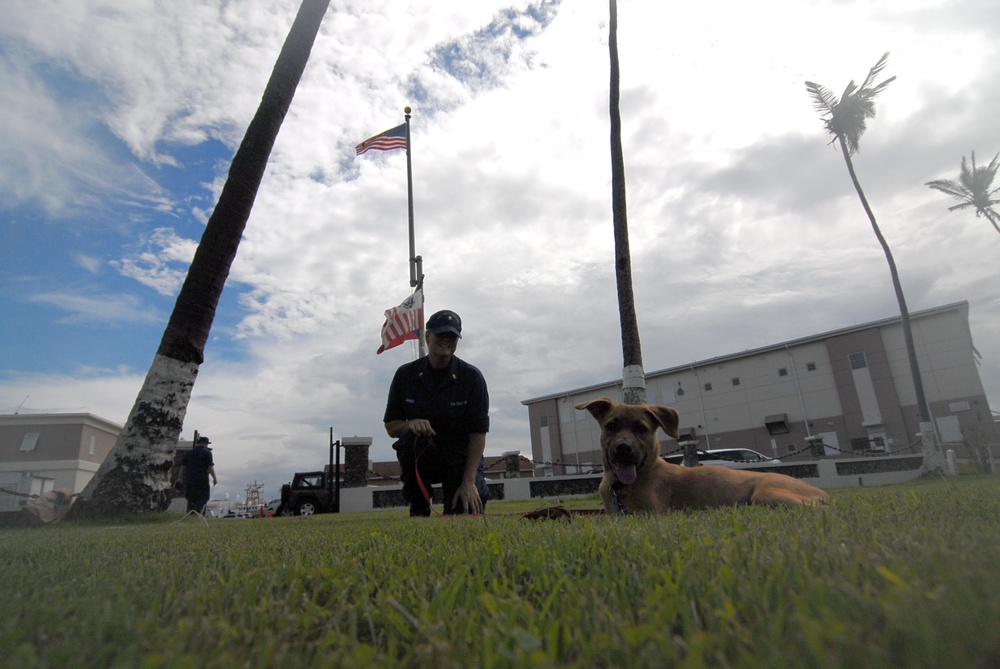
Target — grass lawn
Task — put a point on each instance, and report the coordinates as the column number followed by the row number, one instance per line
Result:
column 899, row 576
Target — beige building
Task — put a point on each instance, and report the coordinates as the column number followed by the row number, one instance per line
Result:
column 43, row 452
column 851, row 388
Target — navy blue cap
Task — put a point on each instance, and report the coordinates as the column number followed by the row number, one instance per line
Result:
column 445, row 321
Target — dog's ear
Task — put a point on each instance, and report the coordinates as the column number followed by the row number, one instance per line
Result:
column 668, row 419
column 598, row 408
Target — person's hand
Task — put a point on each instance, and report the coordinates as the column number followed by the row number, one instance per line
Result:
column 468, row 496
column 215, row 481
column 420, row 427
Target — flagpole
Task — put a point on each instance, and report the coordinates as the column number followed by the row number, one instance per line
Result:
column 416, row 269
column 421, row 342
column 409, row 196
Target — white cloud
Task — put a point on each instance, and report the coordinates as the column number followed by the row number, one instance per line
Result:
column 85, row 308
column 89, row 263
column 163, row 264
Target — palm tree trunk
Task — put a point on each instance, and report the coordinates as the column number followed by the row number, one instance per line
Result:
column 633, row 377
column 911, row 352
column 136, row 474
column 992, row 219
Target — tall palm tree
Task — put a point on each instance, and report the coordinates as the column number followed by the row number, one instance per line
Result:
column 136, row 474
column 633, row 377
column 974, row 188
column 846, row 119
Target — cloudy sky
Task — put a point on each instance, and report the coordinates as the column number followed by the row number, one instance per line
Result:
column 120, row 117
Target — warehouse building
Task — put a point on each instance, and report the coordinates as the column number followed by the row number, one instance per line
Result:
column 850, row 388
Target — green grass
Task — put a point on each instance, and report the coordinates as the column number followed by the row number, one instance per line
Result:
column 901, row 576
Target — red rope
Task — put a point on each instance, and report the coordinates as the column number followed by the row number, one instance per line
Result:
column 420, row 480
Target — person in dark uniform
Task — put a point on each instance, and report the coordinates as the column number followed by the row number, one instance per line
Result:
column 438, row 410
column 194, row 472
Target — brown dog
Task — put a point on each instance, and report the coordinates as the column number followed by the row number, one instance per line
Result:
column 636, row 478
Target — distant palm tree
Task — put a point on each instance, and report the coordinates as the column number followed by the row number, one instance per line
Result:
column 136, row 474
column 846, row 120
column 634, row 380
column 974, row 188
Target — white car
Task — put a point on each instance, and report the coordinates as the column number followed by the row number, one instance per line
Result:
column 726, row 457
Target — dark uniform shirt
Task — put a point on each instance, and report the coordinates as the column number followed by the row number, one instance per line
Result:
column 196, row 464
column 454, row 400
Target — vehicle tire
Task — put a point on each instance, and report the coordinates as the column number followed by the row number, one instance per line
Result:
column 284, row 510
column 307, row 507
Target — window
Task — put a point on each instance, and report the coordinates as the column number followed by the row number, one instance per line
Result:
column 40, row 486
column 791, row 449
column 859, row 444
column 312, row 480
column 810, row 366
column 857, row 360
column 93, row 444
column 783, row 372
column 10, row 482
column 736, row 381
column 708, row 386
column 29, row 442
column 543, row 421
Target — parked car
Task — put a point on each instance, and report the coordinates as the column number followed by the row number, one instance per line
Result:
column 726, row 457
column 307, row 494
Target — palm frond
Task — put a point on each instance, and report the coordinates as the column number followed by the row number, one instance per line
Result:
column 823, row 98
column 875, row 92
column 979, row 179
column 849, row 91
column 949, row 188
column 994, row 164
column 877, row 70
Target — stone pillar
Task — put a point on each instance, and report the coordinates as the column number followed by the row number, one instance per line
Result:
column 690, row 448
column 933, row 458
column 817, row 447
column 513, row 459
column 356, row 461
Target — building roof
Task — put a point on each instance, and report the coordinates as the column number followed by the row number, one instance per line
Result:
column 58, row 419
column 954, row 306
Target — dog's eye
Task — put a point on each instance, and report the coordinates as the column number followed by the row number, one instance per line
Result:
column 640, row 428
column 611, row 425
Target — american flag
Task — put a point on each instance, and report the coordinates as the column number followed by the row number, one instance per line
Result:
column 403, row 322
column 393, row 138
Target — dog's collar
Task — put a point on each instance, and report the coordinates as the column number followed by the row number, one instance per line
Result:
column 616, row 488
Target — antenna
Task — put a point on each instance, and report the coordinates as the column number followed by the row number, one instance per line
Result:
column 21, row 404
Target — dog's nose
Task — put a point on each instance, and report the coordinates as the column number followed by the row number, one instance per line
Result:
column 623, row 452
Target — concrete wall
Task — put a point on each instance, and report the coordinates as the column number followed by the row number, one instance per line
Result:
column 826, row 474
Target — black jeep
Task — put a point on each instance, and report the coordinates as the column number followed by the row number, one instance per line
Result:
column 308, row 493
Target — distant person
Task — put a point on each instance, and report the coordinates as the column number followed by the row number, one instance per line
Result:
column 438, row 410
column 195, row 470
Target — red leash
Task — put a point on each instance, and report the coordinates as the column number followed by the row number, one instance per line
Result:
column 420, row 480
